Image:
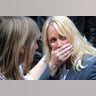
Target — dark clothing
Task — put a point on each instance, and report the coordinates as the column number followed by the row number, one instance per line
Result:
column 41, row 20
column 87, row 27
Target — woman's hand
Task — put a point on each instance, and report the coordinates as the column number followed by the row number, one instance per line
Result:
column 59, row 56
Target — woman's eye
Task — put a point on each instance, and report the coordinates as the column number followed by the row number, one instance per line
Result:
column 53, row 40
column 63, row 37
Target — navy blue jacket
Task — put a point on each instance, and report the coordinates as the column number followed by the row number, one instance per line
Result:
column 89, row 73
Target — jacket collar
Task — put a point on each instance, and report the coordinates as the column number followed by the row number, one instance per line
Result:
column 71, row 74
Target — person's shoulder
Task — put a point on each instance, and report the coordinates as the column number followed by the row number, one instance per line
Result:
column 89, row 72
column 89, row 60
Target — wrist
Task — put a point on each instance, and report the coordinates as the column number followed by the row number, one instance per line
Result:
column 53, row 69
column 56, row 76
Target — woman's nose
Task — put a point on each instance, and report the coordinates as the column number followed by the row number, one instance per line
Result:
column 59, row 43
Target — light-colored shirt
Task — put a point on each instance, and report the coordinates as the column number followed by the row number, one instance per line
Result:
column 65, row 72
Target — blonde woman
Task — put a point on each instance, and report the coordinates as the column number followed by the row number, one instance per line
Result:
column 18, row 42
column 61, row 35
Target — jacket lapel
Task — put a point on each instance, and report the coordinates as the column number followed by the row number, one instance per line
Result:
column 71, row 74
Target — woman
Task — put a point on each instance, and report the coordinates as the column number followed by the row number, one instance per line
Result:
column 80, row 63
column 18, row 42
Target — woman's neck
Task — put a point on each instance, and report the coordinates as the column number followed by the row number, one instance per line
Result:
column 68, row 64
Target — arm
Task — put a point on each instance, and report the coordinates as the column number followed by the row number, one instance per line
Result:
column 44, row 69
column 40, row 71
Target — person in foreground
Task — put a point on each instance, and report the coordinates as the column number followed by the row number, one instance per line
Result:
column 18, row 41
column 59, row 32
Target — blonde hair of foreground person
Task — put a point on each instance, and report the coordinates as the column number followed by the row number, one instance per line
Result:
column 65, row 27
column 18, row 34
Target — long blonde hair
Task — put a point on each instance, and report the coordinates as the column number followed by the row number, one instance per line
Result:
column 16, row 33
column 65, row 26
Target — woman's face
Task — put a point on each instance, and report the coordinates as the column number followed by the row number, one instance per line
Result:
column 55, row 40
